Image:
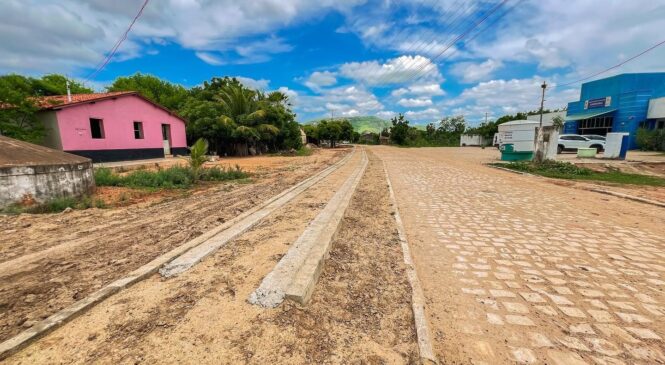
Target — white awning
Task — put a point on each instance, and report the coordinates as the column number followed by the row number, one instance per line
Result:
column 656, row 108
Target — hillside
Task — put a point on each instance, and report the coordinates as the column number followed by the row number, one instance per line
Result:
column 364, row 123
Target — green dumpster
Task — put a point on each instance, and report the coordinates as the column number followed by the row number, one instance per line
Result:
column 509, row 154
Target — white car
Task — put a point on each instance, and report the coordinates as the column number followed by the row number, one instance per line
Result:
column 571, row 142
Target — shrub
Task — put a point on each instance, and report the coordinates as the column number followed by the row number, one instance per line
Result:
column 105, row 177
column 651, row 139
column 221, row 174
column 176, row 177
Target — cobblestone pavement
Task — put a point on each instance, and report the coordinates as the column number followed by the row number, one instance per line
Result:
column 518, row 270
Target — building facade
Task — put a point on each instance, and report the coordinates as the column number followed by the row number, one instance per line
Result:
column 113, row 126
column 621, row 103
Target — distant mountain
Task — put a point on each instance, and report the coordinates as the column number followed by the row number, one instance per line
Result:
column 364, row 123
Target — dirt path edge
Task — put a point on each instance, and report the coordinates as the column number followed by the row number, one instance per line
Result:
column 417, row 298
column 25, row 338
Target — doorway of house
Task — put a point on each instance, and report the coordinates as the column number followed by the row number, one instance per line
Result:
column 166, row 139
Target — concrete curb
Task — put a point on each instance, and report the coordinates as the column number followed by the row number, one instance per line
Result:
column 601, row 191
column 626, row 196
column 296, row 274
column 417, row 297
column 49, row 324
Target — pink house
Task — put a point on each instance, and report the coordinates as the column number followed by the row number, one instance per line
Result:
column 111, row 126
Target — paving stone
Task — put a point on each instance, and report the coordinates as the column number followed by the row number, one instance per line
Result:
column 644, row 333
column 494, row 318
column 516, row 307
column 565, row 358
column 573, row 343
column 532, row 297
column 633, row 318
column 502, row 293
column 572, row 312
column 524, row 356
column 604, row 347
column 519, row 320
column 546, row 309
column 601, row 316
column 583, row 328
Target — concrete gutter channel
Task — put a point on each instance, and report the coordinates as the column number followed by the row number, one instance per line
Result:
column 417, row 297
column 200, row 248
column 296, row 274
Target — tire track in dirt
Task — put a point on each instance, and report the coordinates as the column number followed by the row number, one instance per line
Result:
column 360, row 310
column 32, row 292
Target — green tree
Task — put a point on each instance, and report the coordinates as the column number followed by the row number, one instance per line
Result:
column 400, row 130
column 18, row 111
column 169, row 95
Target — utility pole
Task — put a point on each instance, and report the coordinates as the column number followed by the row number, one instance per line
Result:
column 485, row 117
column 539, row 147
column 69, row 93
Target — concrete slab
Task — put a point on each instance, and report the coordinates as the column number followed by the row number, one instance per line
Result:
column 241, row 224
column 296, row 274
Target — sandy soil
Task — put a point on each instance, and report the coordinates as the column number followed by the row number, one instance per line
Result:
column 49, row 261
column 359, row 313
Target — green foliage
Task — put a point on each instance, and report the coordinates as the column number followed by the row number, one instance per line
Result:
column 304, row 151
column 650, row 139
column 222, row 174
column 331, row 131
column 176, row 177
column 169, row 95
column 18, row 110
column 56, row 205
column 441, row 134
column 235, row 118
column 362, row 124
column 567, row 170
column 197, row 155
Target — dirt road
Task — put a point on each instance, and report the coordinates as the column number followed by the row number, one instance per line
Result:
column 49, row 261
column 359, row 312
column 518, row 270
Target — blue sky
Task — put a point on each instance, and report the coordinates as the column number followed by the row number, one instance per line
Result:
column 425, row 58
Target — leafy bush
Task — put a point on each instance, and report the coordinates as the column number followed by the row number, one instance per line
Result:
column 105, row 177
column 176, row 177
column 651, row 139
column 550, row 168
column 222, row 174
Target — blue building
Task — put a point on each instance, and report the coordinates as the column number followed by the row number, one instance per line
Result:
column 621, row 103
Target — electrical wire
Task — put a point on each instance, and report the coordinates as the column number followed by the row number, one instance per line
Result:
column 615, row 66
column 116, row 46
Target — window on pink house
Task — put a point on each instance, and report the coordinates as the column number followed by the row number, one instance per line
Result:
column 138, row 130
column 97, row 128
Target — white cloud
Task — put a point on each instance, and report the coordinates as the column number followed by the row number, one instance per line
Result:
column 395, row 71
column 472, row 72
column 346, row 100
column 415, row 102
column 509, row 97
column 319, row 79
column 386, row 114
column 210, row 58
column 419, row 90
column 261, row 84
column 428, row 114
column 42, row 36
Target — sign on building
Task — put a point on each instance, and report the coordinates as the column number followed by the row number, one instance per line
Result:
column 598, row 103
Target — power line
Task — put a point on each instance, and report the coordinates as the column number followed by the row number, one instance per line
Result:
column 615, row 66
column 115, row 48
column 419, row 46
column 460, row 37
